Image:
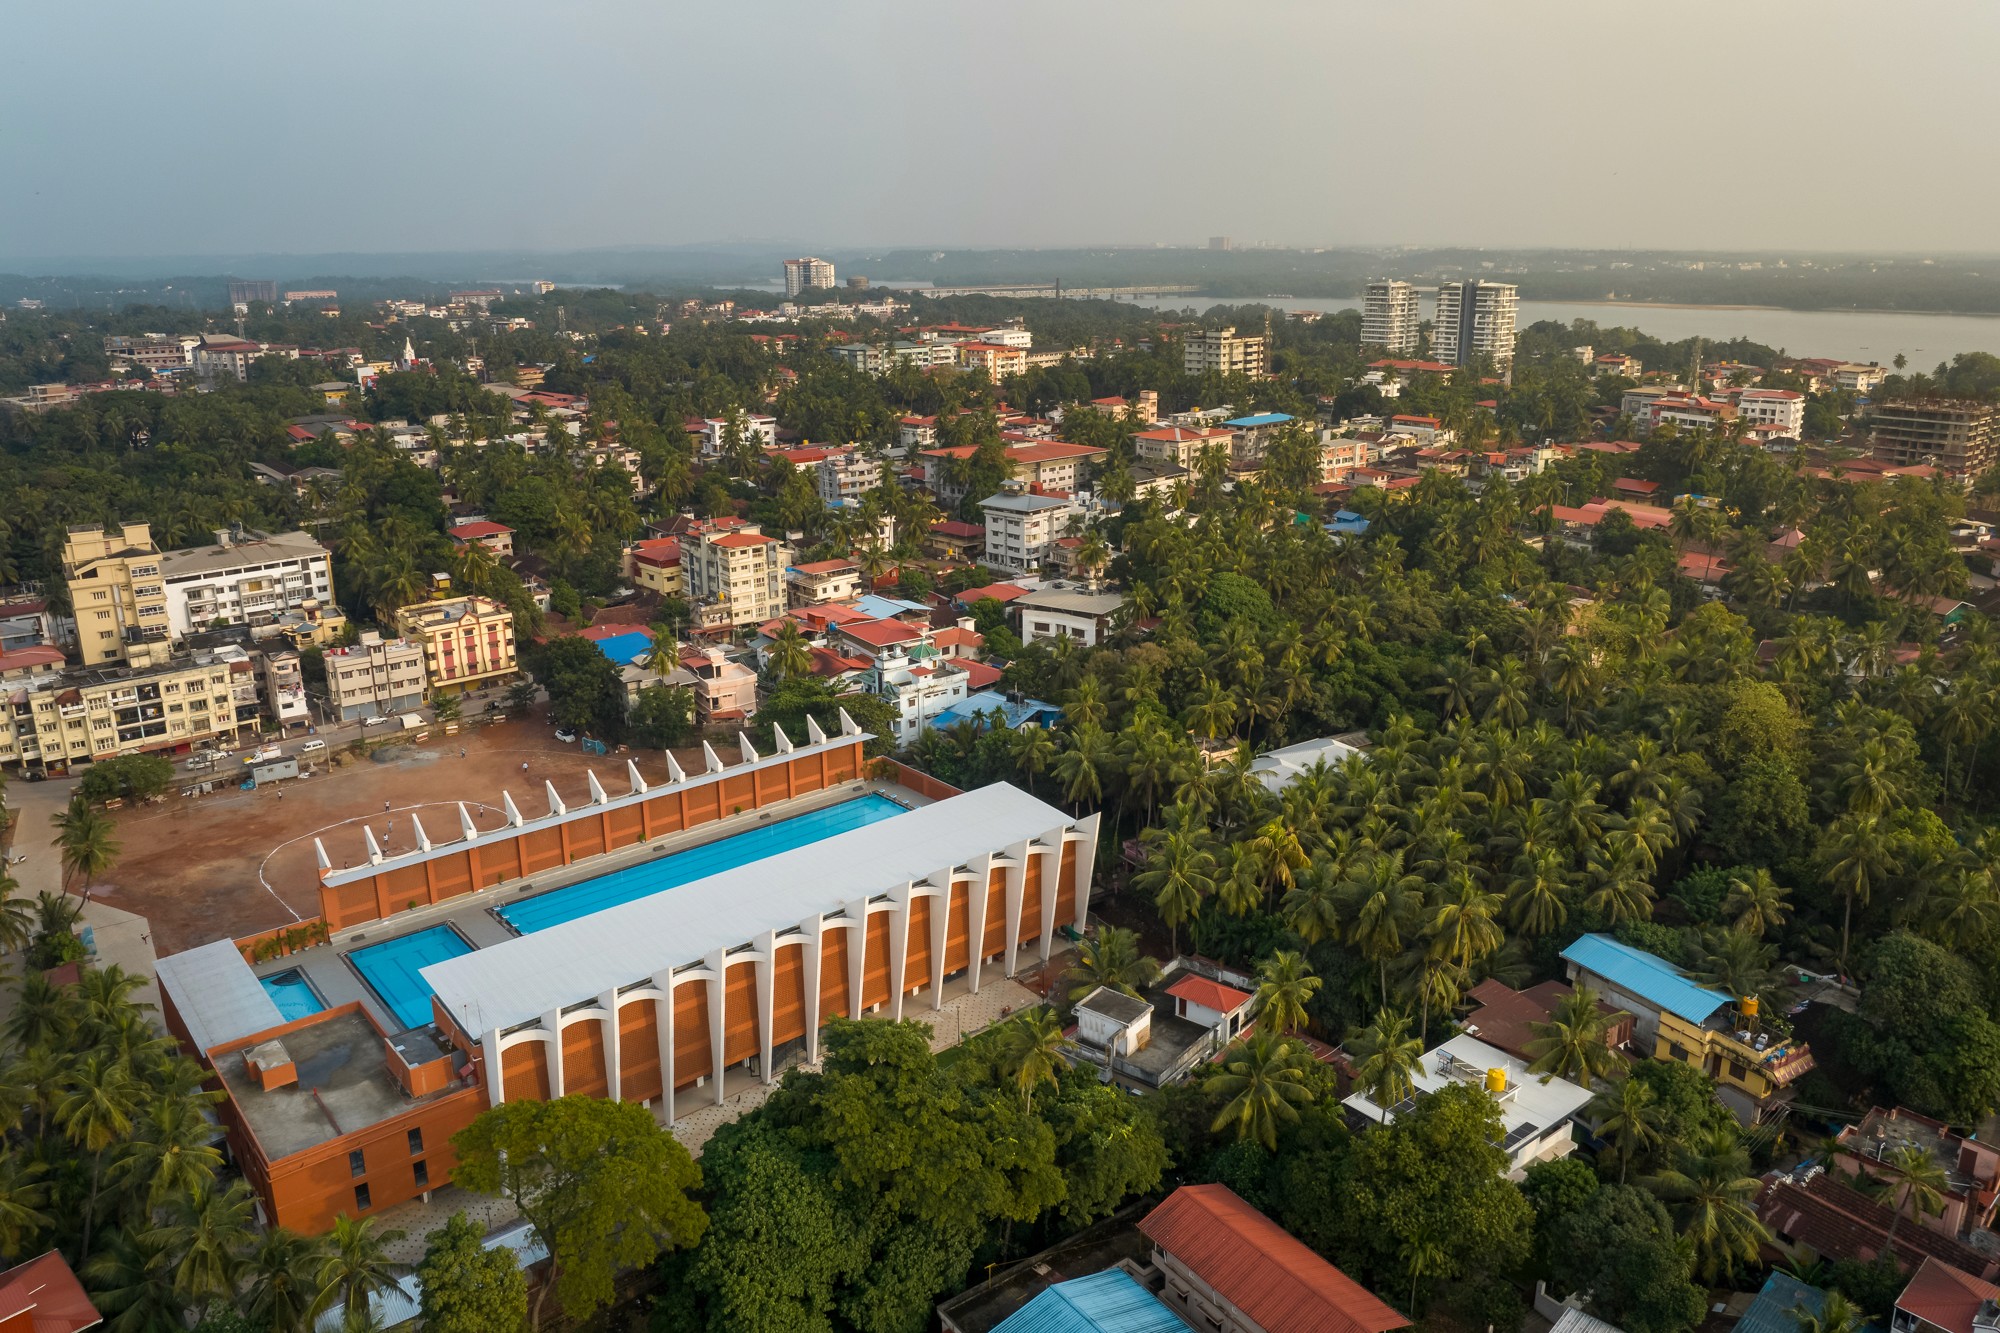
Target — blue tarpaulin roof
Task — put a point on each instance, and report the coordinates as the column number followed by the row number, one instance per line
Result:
column 886, row 608
column 1107, row 1302
column 1261, row 419
column 1645, row 977
column 622, row 648
column 979, row 707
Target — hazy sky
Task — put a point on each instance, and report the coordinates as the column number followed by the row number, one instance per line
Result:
column 280, row 126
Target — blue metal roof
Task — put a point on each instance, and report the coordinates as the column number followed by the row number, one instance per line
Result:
column 1645, row 976
column 1771, row 1312
column 1107, row 1302
column 1261, row 419
column 622, row 648
column 886, row 608
column 979, row 707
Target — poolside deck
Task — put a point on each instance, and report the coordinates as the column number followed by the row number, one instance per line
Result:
column 331, row 973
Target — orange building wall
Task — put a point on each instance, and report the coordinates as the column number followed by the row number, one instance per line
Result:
column 639, row 1051
column 1031, row 900
column 917, row 955
column 1065, row 887
column 788, row 994
column 524, row 1072
column 589, row 831
column 584, row 1072
column 691, row 1049
column 739, row 1013
column 875, row 963
column 958, row 930
column 833, row 973
column 994, row 940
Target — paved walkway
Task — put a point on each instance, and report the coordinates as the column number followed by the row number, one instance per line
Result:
column 959, row 1017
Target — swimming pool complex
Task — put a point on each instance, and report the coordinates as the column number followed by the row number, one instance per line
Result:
column 710, row 858
column 293, row 995
column 393, row 968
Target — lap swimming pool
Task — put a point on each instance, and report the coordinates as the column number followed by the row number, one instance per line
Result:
column 393, row 968
column 293, row 995
column 642, row 881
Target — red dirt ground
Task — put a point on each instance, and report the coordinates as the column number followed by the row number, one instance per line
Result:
column 191, row 866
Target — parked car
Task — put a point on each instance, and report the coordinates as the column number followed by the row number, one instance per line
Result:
column 312, row 746
column 565, row 735
column 374, row 721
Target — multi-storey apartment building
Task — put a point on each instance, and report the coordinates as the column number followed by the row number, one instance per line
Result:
column 468, row 642
column 822, row 581
column 117, row 595
column 281, row 687
column 847, row 475
column 57, row 719
column 374, row 677
column 1389, row 316
column 1051, row 465
column 1961, row 437
column 735, row 574
column 1475, row 319
column 808, row 274
column 917, row 684
column 1783, row 408
column 1021, row 530
column 1221, row 350
column 246, row 578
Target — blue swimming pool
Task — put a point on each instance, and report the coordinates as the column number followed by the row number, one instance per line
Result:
column 293, row 995
column 710, row 858
column 393, row 966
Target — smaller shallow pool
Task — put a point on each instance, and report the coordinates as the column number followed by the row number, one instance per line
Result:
column 293, row 995
column 394, row 970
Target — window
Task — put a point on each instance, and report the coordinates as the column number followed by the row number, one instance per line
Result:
column 361, row 1200
column 357, row 1163
column 1676, row 1051
column 416, row 1142
column 422, row 1172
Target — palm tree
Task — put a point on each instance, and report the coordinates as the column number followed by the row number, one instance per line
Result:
column 1285, row 986
column 1758, row 904
column 88, row 843
column 1111, row 958
column 23, row 1195
column 208, row 1230
column 1213, row 713
column 663, row 650
column 1736, row 964
column 132, row 1281
column 357, row 1266
column 789, row 654
column 1535, row 903
column 1080, row 768
column 1034, row 751
column 1574, row 1043
column 172, row 1153
column 95, row 1113
column 1856, row 855
column 1179, row 873
column 1621, row 891
column 17, row 917
column 1311, row 909
column 1031, row 1052
column 1918, row 1188
column 1387, row 1058
column 1836, row 1314
column 1385, row 902
column 282, row 1291
column 1628, row 1113
column 1279, row 854
column 1710, row 1186
column 1264, row 1082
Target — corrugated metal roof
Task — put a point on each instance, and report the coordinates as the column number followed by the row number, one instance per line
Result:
column 522, row 979
column 1261, row 1269
column 217, row 995
column 1576, row 1321
column 1107, row 1302
column 1771, row 1312
column 1645, row 976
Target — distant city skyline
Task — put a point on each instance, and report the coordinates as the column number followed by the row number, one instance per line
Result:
column 246, row 129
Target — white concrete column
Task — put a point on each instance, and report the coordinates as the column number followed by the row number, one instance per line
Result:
column 1052, row 852
column 664, row 1014
column 899, row 946
column 1086, row 867
column 977, row 903
column 767, row 995
column 815, row 932
column 857, row 956
column 552, row 1024
column 496, row 1083
column 940, row 932
column 718, row 984
column 613, row 1080
column 1017, row 888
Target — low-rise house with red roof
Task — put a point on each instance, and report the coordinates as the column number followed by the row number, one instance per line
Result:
column 654, row 564
column 821, row 581
column 956, row 540
column 1943, row 1299
column 1814, row 1213
column 1049, row 465
column 43, row 1296
column 1506, row 1018
column 1226, row 1267
column 1971, row 1166
column 1183, row 446
column 724, row 690
column 495, row 537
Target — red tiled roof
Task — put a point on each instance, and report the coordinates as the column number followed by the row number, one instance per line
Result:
column 955, row 637
column 979, row 675
column 1505, row 1016
column 1209, row 994
column 1634, row 486
column 735, row 540
column 32, row 656
column 469, row 531
column 1942, row 1295
column 881, row 633
column 827, row 567
column 48, row 1294
column 955, row 528
column 999, row 592
column 1841, row 1224
column 1255, row 1265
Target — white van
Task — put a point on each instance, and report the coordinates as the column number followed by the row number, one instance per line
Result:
column 312, row 746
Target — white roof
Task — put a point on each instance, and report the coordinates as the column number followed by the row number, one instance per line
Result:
column 217, row 995
column 1576, row 1321
column 1464, row 1059
column 1276, row 768
column 524, row 978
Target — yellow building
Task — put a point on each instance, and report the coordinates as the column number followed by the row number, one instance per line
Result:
column 1757, row 1064
column 65, row 718
column 118, row 595
column 468, row 642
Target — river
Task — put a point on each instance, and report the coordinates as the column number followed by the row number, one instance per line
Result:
column 1855, row 335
